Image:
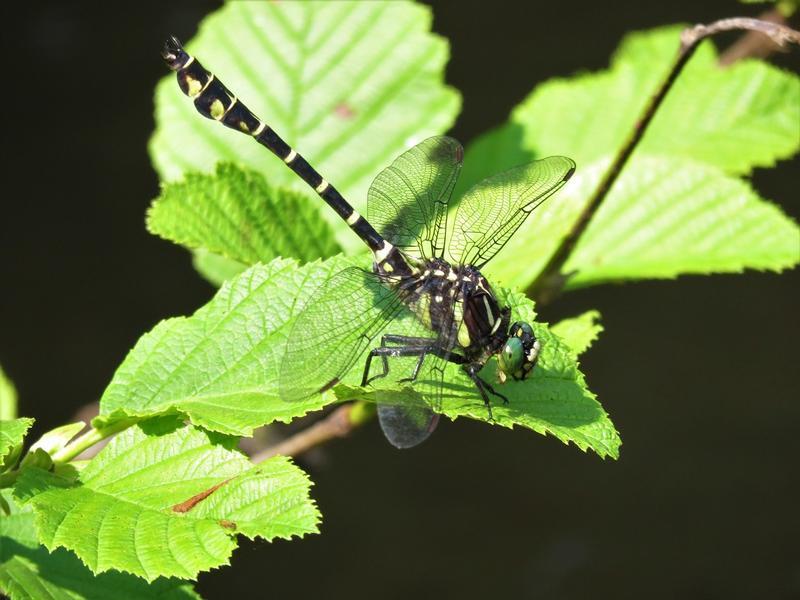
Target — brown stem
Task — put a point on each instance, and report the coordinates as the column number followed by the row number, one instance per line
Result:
column 551, row 281
column 753, row 44
column 337, row 424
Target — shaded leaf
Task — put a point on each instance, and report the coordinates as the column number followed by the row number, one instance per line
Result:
column 491, row 153
column 215, row 268
column 703, row 221
column 668, row 217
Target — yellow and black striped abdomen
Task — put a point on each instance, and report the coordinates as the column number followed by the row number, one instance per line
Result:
column 215, row 101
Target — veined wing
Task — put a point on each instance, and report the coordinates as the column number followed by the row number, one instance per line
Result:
column 336, row 327
column 493, row 209
column 408, row 422
column 408, row 200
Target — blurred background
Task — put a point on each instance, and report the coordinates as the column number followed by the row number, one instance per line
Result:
column 700, row 375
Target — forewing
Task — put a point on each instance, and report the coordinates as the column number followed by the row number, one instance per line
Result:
column 493, row 209
column 407, row 202
column 336, row 326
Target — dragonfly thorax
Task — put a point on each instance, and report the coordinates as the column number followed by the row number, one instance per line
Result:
column 459, row 304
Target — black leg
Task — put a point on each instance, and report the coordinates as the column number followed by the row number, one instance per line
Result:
column 405, row 340
column 384, row 353
column 483, row 387
column 491, row 391
column 417, row 367
column 390, row 338
column 412, row 346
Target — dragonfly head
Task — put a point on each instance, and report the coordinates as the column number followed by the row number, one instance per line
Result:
column 519, row 353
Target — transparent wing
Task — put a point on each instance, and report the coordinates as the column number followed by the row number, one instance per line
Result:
column 409, row 420
column 336, row 327
column 406, row 426
column 493, row 209
column 407, row 201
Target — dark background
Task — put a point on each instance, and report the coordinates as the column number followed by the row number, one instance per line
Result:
column 699, row 375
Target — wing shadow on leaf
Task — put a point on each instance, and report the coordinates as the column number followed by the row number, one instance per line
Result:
column 493, row 152
column 164, row 425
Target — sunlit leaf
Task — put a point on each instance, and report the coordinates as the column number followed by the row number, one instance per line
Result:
column 235, row 214
column 29, row 571
column 12, row 433
column 160, row 491
column 220, row 366
column 736, row 118
column 579, row 332
column 554, row 400
column 349, row 84
column 676, row 207
column 8, row 398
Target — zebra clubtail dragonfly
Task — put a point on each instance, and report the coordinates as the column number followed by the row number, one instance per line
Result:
column 443, row 300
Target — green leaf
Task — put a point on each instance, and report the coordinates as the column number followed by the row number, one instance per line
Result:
column 579, row 332
column 673, row 202
column 349, row 84
column 736, row 118
column 554, row 400
column 668, row 217
column 215, row 268
column 12, row 433
column 159, row 492
column 219, row 367
column 497, row 150
column 28, row 571
column 8, row 398
column 664, row 217
column 234, row 213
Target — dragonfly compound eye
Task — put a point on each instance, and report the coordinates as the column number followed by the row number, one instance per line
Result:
column 512, row 358
column 521, row 351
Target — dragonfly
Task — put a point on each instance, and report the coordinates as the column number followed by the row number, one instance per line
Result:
column 426, row 272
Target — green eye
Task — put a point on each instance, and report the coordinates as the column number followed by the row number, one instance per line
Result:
column 512, row 356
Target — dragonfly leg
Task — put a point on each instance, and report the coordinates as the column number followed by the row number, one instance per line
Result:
column 386, row 352
column 491, row 391
column 412, row 346
column 431, row 349
column 415, row 373
column 483, row 387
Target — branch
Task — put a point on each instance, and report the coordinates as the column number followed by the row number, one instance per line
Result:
column 551, row 280
column 89, row 439
column 754, row 44
column 337, row 424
